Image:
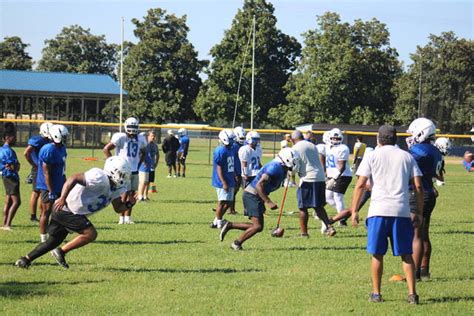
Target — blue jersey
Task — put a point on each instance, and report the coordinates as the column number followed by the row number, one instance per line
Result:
column 276, row 173
column 37, row 142
column 8, row 157
column 429, row 161
column 223, row 157
column 148, row 162
column 235, row 149
column 55, row 158
column 468, row 165
column 183, row 144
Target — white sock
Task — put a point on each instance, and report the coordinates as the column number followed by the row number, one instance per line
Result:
column 219, row 223
column 43, row 237
column 127, row 219
column 121, row 219
column 215, row 220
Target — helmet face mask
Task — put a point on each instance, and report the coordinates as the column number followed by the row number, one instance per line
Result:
column 444, row 145
column 253, row 138
column 117, row 169
column 131, row 126
column 335, row 136
column 240, row 134
column 58, row 134
column 44, row 129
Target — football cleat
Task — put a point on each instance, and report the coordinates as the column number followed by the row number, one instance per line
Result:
column 59, row 255
column 224, row 230
column 236, row 245
column 23, row 263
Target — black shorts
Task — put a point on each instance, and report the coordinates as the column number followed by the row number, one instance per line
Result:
column 34, row 175
column 63, row 221
column 429, row 203
column 151, row 176
column 44, row 195
column 170, row 158
column 12, row 186
column 311, row 195
column 342, row 183
column 253, row 205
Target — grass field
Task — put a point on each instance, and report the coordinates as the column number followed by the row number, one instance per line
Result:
column 171, row 262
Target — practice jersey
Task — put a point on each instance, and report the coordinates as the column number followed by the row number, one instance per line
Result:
column 430, row 162
column 37, row 142
column 129, row 148
column 359, row 148
column 223, row 157
column 252, row 158
column 321, row 149
column 335, row 154
column 238, row 167
column 55, row 157
column 96, row 195
column 148, row 163
column 8, row 157
column 183, row 144
column 276, row 173
column 468, row 165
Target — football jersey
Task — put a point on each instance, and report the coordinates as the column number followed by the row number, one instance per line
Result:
column 276, row 173
column 237, row 166
column 55, row 157
column 321, row 149
column 183, row 144
column 129, row 148
column 252, row 157
column 335, row 154
column 223, row 157
column 429, row 161
column 8, row 156
column 37, row 142
column 96, row 195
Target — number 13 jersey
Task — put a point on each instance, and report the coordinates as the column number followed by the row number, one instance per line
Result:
column 129, row 148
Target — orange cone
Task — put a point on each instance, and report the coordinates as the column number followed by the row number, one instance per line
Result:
column 152, row 188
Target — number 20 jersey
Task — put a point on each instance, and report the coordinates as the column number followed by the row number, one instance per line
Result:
column 335, row 154
column 129, row 148
column 96, row 195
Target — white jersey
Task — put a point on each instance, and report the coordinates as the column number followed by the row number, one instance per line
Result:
column 253, row 159
column 96, row 195
column 129, row 148
column 321, row 149
column 334, row 154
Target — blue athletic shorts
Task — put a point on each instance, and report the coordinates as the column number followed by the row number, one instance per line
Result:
column 311, row 195
column 253, row 205
column 223, row 195
column 398, row 229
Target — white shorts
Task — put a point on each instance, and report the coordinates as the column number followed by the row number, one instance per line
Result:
column 143, row 177
column 222, row 195
column 133, row 183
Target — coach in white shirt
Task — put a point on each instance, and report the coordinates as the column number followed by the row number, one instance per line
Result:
column 312, row 186
column 391, row 170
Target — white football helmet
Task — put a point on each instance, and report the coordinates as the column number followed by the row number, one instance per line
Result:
column 131, row 126
column 421, row 130
column 117, row 169
column 226, row 136
column 335, row 136
column 182, row 132
column 240, row 134
column 444, row 145
column 326, row 139
column 253, row 138
column 44, row 129
column 288, row 157
column 58, row 134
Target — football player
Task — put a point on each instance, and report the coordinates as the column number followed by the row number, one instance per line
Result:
column 131, row 147
column 256, row 194
column 182, row 151
column 223, row 175
column 51, row 173
column 240, row 136
column 250, row 158
column 359, row 150
column 339, row 175
column 31, row 153
column 444, row 146
column 430, row 161
column 83, row 194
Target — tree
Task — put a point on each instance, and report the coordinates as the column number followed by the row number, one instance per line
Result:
column 13, row 54
column 346, row 75
column 161, row 72
column 275, row 59
column 75, row 49
column 445, row 65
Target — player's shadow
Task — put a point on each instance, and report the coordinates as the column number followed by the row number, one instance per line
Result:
column 182, row 270
column 173, row 223
column 455, row 232
column 319, row 248
column 450, row 299
column 17, row 289
column 188, row 201
column 147, row 242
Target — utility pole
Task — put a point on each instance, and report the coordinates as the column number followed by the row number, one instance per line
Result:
column 121, row 80
column 420, row 88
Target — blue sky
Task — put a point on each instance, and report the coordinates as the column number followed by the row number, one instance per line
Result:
column 409, row 22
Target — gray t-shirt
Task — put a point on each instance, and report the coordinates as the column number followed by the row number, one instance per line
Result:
column 391, row 170
column 310, row 169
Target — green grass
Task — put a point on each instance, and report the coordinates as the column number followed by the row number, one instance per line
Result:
column 171, row 262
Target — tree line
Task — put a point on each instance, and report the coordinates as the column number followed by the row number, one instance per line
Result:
column 344, row 73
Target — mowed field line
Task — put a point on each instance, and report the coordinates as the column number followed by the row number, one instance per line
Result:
column 171, row 262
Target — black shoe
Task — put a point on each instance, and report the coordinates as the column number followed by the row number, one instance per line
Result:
column 227, row 226
column 375, row 298
column 304, row 235
column 343, row 223
column 212, row 225
column 413, row 299
column 59, row 255
column 23, row 263
column 34, row 219
column 184, row 176
column 236, row 245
